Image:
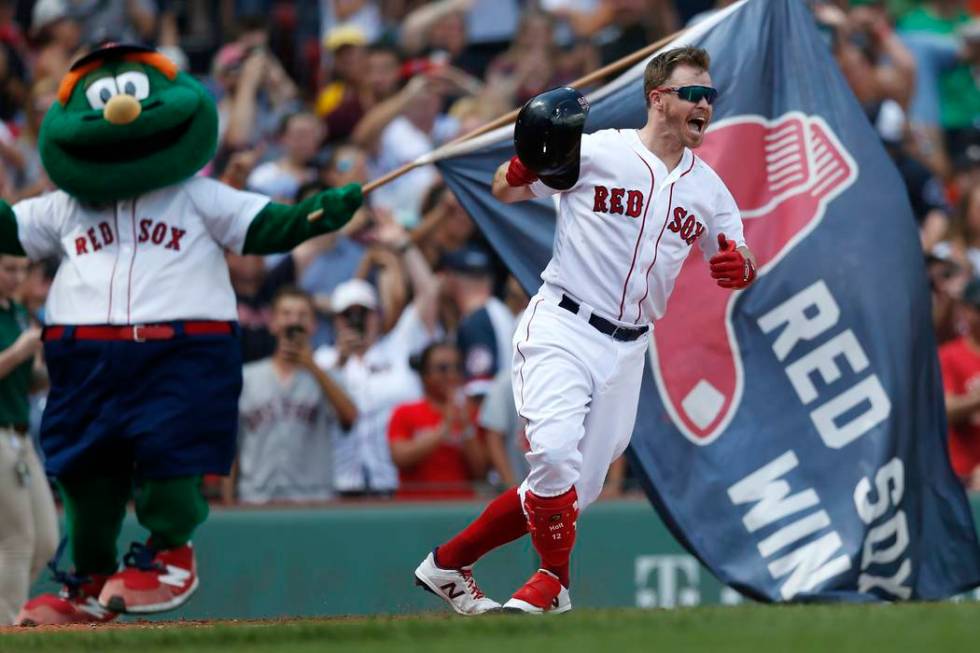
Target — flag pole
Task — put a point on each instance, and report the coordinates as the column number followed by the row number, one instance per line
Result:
column 594, row 76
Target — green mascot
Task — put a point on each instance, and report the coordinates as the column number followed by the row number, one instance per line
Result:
column 141, row 341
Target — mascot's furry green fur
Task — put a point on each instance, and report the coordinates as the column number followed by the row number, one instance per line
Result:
column 145, row 374
column 99, row 156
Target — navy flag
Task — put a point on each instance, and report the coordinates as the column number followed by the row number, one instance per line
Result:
column 792, row 435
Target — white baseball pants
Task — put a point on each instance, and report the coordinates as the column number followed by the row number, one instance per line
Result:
column 577, row 389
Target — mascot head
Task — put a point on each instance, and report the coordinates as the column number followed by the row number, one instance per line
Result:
column 126, row 122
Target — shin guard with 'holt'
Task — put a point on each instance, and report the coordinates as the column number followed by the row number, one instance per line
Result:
column 551, row 522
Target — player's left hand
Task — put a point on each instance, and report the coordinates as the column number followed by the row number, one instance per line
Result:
column 730, row 267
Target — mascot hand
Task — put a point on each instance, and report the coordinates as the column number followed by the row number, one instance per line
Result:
column 338, row 205
column 281, row 227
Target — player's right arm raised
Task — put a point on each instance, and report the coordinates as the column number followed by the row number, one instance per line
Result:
column 512, row 182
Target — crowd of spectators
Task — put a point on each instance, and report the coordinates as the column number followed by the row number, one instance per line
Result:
column 377, row 362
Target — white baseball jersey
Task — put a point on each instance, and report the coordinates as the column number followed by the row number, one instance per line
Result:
column 627, row 225
column 376, row 383
column 153, row 258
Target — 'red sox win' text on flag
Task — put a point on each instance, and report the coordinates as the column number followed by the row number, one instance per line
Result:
column 791, row 435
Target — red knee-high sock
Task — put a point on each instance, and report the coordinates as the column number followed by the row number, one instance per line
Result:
column 502, row 521
column 551, row 522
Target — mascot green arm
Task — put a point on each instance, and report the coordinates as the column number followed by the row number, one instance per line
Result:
column 280, row 227
column 9, row 242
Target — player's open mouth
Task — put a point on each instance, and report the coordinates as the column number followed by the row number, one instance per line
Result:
column 697, row 124
column 132, row 149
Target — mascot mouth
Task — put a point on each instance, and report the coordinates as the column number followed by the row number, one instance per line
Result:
column 130, row 150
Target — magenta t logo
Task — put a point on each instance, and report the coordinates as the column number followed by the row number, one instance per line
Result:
column 783, row 173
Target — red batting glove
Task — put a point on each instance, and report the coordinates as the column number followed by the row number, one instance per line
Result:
column 730, row 267
column 518, row 173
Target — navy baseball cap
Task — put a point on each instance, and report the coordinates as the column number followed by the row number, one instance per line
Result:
column 470, row 260
column 110, row 50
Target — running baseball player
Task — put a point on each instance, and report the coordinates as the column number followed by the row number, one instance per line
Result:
column 144, row 362
column 631, row 205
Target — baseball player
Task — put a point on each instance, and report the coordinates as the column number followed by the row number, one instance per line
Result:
column 145, row 366
column 631, row 205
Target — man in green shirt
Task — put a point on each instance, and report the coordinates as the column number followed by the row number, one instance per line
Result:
column 28, row 525
column 948, row 58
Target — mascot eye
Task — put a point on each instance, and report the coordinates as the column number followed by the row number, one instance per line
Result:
column 134, row 83
column 99, row 92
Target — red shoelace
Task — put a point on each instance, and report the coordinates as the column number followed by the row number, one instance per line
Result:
column 471, row 583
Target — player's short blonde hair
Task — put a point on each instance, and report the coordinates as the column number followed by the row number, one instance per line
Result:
column 661, row 67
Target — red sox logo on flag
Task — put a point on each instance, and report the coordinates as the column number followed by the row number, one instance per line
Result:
column 783, row 173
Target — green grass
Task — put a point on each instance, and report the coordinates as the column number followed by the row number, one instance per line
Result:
column 749, row 628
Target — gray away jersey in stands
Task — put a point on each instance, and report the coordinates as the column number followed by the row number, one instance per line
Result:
column 285, row 437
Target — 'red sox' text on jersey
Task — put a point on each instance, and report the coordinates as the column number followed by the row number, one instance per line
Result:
column 626, row 227
column 131, row 261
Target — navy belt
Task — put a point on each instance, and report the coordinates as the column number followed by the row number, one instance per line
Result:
column 602, row 325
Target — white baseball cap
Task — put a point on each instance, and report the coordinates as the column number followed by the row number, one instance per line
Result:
column 355, row 292
column 46, row 12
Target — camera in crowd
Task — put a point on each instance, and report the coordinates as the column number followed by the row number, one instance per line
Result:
column 294, row 332
column 356, row 318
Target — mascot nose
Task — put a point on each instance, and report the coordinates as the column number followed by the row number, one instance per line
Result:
column 121, row 109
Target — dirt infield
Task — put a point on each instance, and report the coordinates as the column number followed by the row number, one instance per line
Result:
column 86, row 628
column 145, row 624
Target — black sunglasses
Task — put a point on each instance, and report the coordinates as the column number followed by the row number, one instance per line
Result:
column 444, row 368
column 692, row 93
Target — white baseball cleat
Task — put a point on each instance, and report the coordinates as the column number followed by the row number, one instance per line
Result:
column 454, row 586
column 541, row 594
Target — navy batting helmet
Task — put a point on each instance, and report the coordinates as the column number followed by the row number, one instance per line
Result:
column 548, row 135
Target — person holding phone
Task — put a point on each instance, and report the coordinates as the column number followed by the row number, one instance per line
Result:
column 375, row 371
column 290, row 412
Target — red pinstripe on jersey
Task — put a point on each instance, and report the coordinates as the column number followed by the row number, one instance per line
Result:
column 527, row 336
column 132, row 259
column 656, row 248
column 639, row 237
column 112, row 275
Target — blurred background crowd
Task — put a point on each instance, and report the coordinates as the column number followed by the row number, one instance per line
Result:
column 377, row 364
